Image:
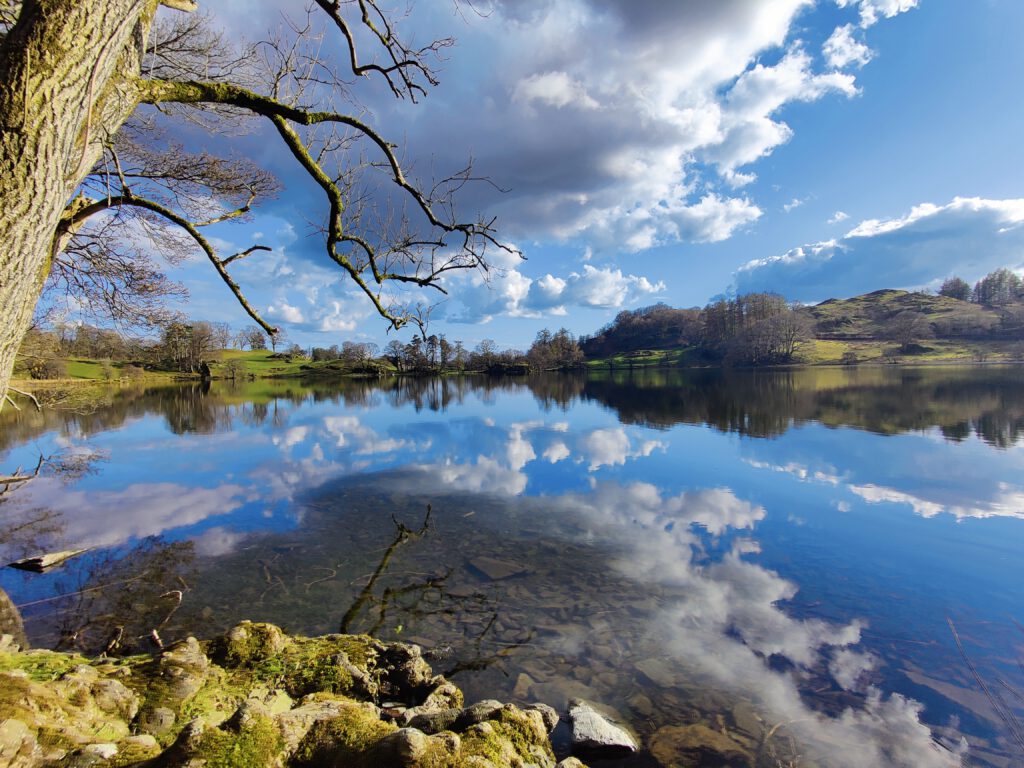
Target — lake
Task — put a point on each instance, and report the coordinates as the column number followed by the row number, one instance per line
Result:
column 812, row 567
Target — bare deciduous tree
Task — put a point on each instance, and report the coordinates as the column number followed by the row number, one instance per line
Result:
column 83, row 176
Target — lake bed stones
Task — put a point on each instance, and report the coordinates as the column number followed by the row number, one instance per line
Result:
column 697, row 744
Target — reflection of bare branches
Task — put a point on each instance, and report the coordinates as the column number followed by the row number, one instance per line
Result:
column 67, row 465
column 1002, row 709
column 28, row 395
column 420, row 589
column 29, row 533
column 72, row 465
column 120, row 600
column 481, row 661
column 154, row 634
column 332, row 575
column 403, row 534
column 19, row 478
column 766, row 747
column 272, row 579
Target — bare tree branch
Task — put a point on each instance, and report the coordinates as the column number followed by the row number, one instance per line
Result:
column 471, row 239
column 406, row 63
column 243, row 254
column 211, row 254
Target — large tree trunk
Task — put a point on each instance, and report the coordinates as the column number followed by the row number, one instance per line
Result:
column 67, row 83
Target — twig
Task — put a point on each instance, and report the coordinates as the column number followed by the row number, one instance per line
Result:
column 402, row 535
column 334, row 573
column 1002, row 710
column 18, row 477
column 79, row 592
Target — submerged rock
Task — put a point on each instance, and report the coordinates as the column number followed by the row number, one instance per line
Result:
column 697, row 745
column 41, row 563
column 497, row 570
column 658, row 671
column 593, row 734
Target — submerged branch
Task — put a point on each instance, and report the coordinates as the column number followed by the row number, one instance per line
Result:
column 403, row 534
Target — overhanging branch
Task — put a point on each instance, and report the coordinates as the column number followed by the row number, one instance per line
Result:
column 188, row 6
column 83, row 212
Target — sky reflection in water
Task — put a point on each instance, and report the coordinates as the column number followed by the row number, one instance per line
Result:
column 792, row 542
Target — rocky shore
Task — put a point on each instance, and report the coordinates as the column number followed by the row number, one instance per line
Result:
column 258, row 698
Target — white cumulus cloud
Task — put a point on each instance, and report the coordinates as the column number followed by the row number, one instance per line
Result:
column 873, row 10
column 842, row 49
column 555, row 88
column 510, row 292
column 968, row 237
column 285, row 311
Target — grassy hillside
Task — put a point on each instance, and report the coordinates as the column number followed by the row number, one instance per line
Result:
column 868, row 316
column 863, row 329
column 265, row 364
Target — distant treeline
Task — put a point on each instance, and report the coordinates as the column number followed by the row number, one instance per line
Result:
column 754, row 329
column 996, row 289
column 763, row 328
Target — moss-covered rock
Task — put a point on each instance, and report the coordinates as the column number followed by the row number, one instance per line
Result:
column 260, row 699
column 247, row 644
column 53, row 703
column 256, row 743
column 180, row 672
column 344, row 739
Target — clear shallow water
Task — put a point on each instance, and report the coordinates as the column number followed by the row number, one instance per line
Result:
column 774, row 556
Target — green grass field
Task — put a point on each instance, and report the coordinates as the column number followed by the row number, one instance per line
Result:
column 647, row 358
column 262, row 364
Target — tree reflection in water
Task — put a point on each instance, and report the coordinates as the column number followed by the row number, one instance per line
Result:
column 648, row 597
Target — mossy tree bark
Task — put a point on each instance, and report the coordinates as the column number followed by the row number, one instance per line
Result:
column 67, row 83
column 67, row 72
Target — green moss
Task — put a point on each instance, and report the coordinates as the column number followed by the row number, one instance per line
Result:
column 344, row 740
column 313, row 664
column 248, row 644
column 437, row 756
column 216, row 700
column 13, row 694
column 517, row 727
column 133, row 754
column 511, row 729
column 256, row 745
column 477, row 743
column 320, row 674
column 41, row 666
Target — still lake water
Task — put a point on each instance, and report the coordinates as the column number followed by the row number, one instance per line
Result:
column 782, row 562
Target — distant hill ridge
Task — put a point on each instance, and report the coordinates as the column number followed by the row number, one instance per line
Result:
column 765, row 329
column 869, row 316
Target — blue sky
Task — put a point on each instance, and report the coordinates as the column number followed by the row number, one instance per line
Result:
column 673, row 151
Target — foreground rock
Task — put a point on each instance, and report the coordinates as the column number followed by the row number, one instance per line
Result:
column 261, row 699
column 593, row 734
